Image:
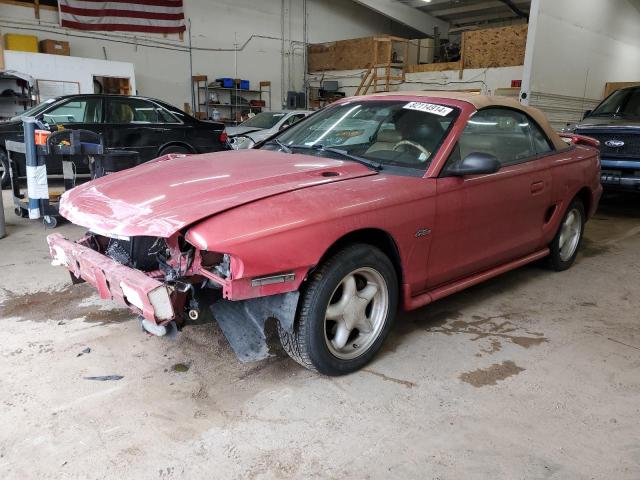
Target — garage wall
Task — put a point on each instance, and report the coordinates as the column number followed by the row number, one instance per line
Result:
column 68, row 69
column 162, row 64
column 487, row 80
column 576, row 46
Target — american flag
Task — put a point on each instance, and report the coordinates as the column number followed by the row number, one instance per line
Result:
column 149, row 16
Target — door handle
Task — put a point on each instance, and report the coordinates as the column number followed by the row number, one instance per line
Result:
column 537, row 187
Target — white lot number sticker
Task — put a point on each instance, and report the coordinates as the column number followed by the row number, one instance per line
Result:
column 429, row 108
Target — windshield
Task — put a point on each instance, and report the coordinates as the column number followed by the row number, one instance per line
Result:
column 264, row 120
column 625, row 103
column 33, row 111
column 387, row 132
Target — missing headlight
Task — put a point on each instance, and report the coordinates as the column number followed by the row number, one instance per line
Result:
column 218, row 263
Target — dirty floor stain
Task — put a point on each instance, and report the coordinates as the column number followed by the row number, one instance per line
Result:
column 494, row 326
column 405, row 383
column 60, row 305
column 591, row 249
column 180, row 367
column 491, row 375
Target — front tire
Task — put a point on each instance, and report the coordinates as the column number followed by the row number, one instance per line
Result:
column 5, row 177
column 345, row 312
column 565, row 245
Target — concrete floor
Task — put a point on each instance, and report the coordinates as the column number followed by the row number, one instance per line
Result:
column 532, row 375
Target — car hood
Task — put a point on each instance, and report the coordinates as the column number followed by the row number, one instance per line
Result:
column 163, row 196
column 599, row 122
column 231, row 131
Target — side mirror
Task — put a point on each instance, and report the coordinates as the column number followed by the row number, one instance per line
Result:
column 586, row 113
column 476, row 163
column 284, row 126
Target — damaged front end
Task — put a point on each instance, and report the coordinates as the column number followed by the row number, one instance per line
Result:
column 167, row 281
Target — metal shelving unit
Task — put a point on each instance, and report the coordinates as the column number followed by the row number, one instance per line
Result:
column 23, row 97
column 231, row 109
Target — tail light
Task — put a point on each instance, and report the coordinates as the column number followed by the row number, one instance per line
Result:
column 223, row 137
column 580, row 139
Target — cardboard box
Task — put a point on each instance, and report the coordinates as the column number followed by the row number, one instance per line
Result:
column 21, row 43
column 55, row 47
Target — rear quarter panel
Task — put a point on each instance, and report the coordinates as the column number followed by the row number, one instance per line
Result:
column 573, row 170
column 205, row 136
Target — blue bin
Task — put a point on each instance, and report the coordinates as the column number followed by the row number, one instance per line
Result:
column 244, row 85
column 225, row 82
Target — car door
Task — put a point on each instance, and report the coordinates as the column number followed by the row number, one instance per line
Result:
column 486, row 220
column 133, row 124
column 76, row 113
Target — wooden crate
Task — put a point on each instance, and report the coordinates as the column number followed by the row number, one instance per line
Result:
column 354, row 54
column 494, row 47
column 55, row 47
column 432, row 67
column 487, row 48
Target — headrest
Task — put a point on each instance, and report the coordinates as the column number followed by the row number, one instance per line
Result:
column 389, row 136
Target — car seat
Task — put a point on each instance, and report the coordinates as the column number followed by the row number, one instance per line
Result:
column 420, row 128
column 385, row 140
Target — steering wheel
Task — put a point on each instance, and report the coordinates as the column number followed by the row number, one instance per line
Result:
column 415, row 145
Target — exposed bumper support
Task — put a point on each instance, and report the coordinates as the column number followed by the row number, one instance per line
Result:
column 243, row 322
column 620, row 174
column 141, row 293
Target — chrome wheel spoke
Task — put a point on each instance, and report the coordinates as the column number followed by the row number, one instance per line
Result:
column 368, row 292
column 563, row 239
column 364, row 325
column 342, row 335
column 335, row 311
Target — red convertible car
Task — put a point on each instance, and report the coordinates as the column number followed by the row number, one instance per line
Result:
column 376, row 203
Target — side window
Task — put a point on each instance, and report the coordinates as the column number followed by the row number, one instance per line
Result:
column 165, row 116
column 131, row 110
column 540, row 140
column 85, row 110
column 293, row 119
column 503, row 133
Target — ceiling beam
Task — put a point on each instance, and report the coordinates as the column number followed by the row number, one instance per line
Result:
column 467, row 8
column 422, row 3
column 401, row 13
column 484, row 18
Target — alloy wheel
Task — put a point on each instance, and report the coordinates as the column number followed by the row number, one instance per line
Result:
column 570, row 233
column 356, row 313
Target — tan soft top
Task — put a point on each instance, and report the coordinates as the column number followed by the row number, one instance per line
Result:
column 483, row 101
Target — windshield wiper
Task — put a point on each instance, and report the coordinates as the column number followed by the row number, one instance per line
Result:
column 343, row 153
column 282, row 146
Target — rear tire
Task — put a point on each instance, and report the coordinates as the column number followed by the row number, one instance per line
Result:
column 5, row 177
column 174, row 149
column 565, row 245
column 345, row 312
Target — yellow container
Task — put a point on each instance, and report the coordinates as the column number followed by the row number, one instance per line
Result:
column 21, row 43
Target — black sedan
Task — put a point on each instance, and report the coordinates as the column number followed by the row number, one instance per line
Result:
column 144, row 125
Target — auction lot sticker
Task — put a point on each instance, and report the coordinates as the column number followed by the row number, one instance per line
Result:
column 429, row 108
